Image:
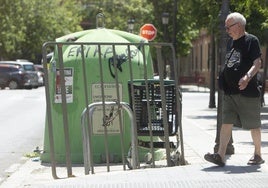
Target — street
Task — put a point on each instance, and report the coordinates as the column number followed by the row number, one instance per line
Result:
column 22, row 117
column 199, row 130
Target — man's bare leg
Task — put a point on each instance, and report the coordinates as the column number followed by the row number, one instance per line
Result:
column 225, row 135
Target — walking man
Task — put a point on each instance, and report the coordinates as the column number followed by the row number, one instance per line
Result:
column 241, row 100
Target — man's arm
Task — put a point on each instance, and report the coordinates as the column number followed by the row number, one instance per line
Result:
column 243, row 82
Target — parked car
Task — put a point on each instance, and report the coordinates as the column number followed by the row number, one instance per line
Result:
column 18, row 74
column 40, row 73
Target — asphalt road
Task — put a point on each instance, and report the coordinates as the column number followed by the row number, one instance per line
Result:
column 22, row 122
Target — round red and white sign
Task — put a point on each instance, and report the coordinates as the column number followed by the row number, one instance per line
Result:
column 148, row 31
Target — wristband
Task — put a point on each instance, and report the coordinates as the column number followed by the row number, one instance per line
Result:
column 249, row 75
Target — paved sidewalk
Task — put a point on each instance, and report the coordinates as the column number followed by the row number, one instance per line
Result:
column 199, row 131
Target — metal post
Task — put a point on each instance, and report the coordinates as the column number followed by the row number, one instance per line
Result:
column 148, row 107
column 222, row 51
column 175, row 10
column 162, row 91
column 212, row 73
column 165, row 21
column 174, row 39
column 49, row 116
column 264, row 76
column 64, row 113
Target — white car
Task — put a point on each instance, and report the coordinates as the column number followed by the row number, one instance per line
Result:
column 40, row 73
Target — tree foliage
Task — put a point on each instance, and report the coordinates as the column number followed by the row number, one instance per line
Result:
column 256, row 13
column 118, row 12
column 206, row 13
column 27, row 24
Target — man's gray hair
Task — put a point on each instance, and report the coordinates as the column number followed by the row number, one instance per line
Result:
column 237, row 17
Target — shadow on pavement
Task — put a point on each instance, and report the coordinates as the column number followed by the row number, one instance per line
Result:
column 194, row 89
column 231, row 169
column 203, row 117
column 263, row 143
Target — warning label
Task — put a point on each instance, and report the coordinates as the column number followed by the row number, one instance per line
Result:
column 111, row 116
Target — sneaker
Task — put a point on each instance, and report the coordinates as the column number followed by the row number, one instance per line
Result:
column 214, row 158
column 255, row 160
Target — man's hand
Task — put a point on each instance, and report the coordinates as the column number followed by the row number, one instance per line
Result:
column 243, row 82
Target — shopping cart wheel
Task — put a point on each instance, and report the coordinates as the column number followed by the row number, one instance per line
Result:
column 129, row 163
column 129, row 159
column 148, row 158
column 175, row 158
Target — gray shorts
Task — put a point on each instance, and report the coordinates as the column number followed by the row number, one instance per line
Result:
column 242, row 111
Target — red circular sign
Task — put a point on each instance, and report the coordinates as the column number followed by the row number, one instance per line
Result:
column 148, row 31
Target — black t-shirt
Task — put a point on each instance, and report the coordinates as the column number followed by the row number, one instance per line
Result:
column 240, row 56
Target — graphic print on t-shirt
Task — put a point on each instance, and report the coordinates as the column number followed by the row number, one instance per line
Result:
column 234, row 60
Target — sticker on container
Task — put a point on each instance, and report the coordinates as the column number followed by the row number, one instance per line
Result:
column 111, row 112
column 68, row 79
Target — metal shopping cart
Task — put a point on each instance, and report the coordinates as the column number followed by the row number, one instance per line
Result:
column 155, row 106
